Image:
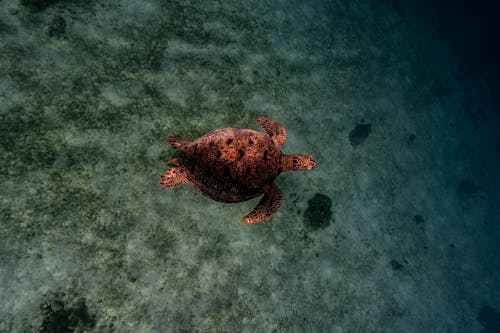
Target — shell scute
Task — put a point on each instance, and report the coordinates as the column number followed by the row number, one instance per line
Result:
column 232, row 164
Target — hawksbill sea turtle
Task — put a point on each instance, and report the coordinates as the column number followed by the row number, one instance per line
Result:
column 236, row 164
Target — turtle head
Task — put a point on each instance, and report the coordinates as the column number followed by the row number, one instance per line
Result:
column 297, row 162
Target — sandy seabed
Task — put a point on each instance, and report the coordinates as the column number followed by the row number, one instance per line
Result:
column 395, row 230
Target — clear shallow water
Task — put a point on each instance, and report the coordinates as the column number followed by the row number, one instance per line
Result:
column 395, row 230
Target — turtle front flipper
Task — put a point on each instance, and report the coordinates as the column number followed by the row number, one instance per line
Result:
column 274, row 129
column 173, row 177
column 269, row 204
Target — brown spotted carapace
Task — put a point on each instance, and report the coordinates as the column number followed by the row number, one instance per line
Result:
column 236, row 164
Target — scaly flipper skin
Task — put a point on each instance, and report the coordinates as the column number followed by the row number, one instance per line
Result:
column 173, row 177
column 178, row 143
column 274, row 129
column 175, row 161
column 267, row 205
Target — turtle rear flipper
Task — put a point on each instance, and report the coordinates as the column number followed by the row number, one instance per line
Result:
column 269, row 203
column 174, row 161
column 178, row 143
column 173, row 177
column 274, row 129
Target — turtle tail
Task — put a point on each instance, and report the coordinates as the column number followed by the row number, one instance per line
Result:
column 178, row 143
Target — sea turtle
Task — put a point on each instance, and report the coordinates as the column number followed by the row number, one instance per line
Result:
column 236, row 164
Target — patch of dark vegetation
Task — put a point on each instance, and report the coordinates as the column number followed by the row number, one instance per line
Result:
column 65, row 201
column 143, row 56
column 38, row 5
column 160, row 240
column 468, row 187
column 85, row 116
column 32, row 153
column 27, row 143
column 18, row 123
column 411, row 138
column 24, row 141
column 318, row 214
column 154, row 93
column 358, row 135
column 185, row 22
column 5, row 28
column 418, row 219
column 57, row 27
column 154, row 56
column 59, row 317
column 83, row 86
column 234, row 103
column 213, row 249
column 490, row 319
column 396, row 265
column 76, row 157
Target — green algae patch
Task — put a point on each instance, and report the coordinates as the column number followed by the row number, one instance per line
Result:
column 58, row 316
column 318, row 214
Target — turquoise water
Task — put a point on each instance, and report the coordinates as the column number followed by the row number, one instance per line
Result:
column 395, row 230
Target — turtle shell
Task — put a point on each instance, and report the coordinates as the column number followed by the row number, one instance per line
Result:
column 232, row 164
